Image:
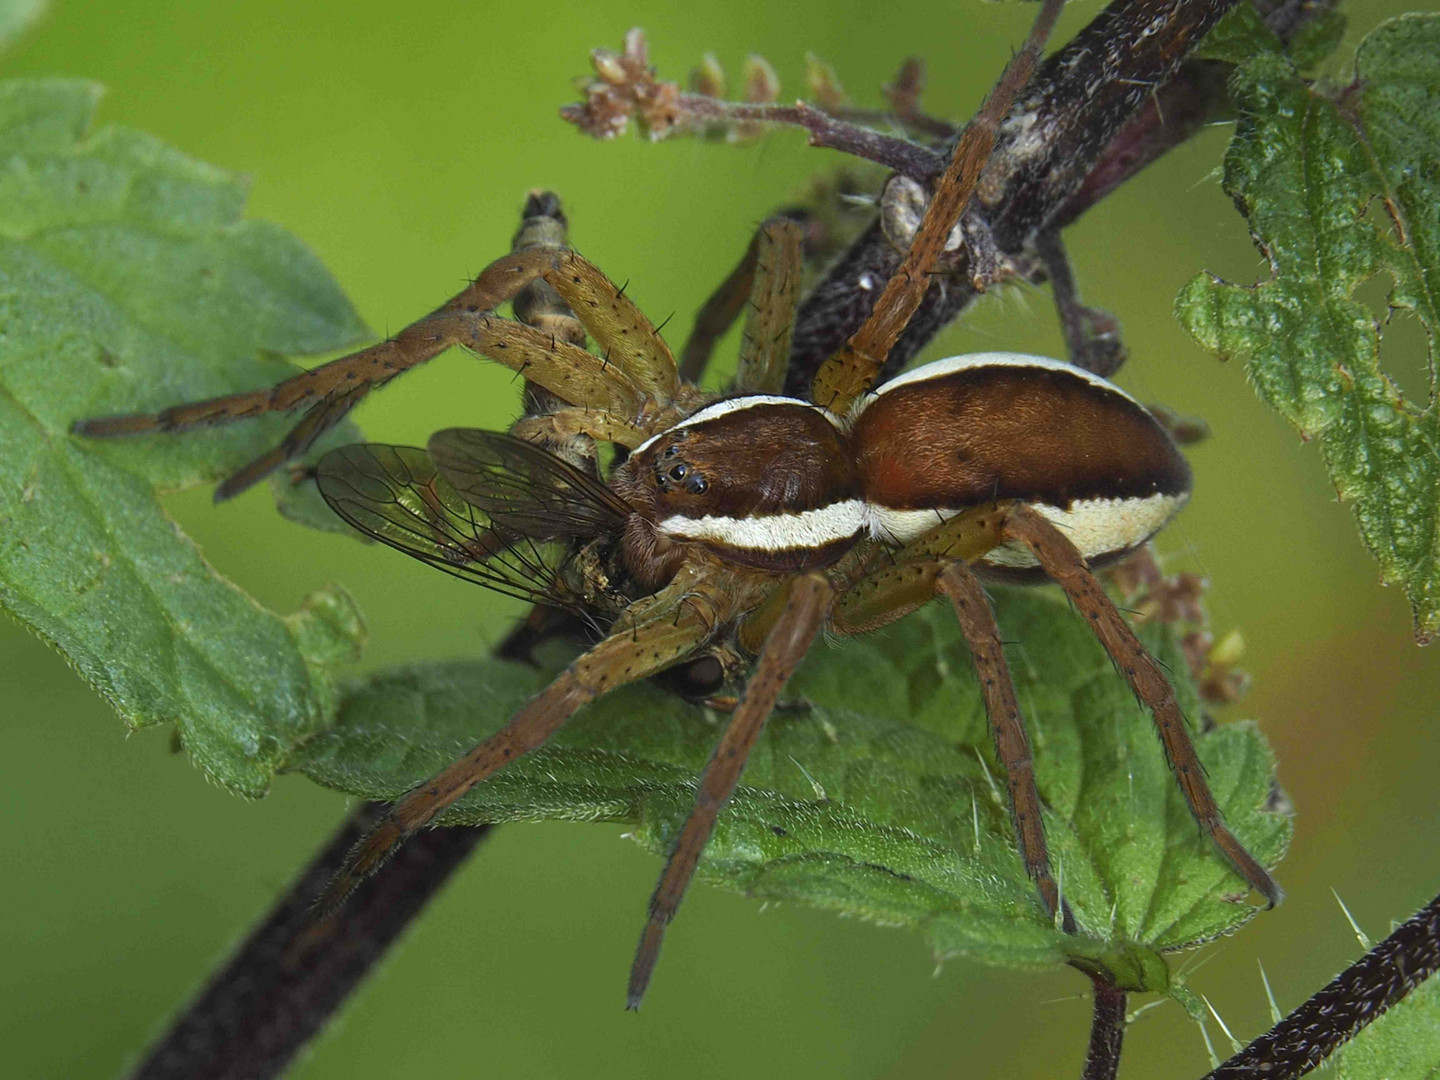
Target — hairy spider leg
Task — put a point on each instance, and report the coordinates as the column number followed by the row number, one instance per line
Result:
column 852, row 370
column 770, row 320
column 636, row 370
column 807, row 604
column 1007, row 727
column 767, row 279
column 653, row 634
column 349, row 377
column 936, row 563
column 1066, row 567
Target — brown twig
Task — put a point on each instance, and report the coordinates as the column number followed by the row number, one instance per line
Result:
column 1350, row 1001
column 292, row 973
column 1107, row 1031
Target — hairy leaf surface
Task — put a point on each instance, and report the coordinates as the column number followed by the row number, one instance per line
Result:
column 129, row 281
column 1341, row 186
column 874, row 792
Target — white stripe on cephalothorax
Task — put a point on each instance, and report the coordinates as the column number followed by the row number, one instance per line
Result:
column 940, row 368
column 729, row 405
column 774, row 532
column 1095, row 526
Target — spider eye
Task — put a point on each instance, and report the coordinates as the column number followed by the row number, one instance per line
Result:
column 679, row 472
column 698, row 486
column 671, row 450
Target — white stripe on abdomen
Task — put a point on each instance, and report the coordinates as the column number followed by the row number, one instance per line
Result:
column 1095, row 526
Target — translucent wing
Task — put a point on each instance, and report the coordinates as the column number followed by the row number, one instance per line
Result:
column 397, row 495
column 524, row 488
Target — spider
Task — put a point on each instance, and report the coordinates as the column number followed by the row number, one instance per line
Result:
column 742, row 526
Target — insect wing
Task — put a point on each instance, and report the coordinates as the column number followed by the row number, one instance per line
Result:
column 524, row 488
column 396, row 495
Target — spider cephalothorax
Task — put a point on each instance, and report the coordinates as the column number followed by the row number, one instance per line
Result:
column 743, row 527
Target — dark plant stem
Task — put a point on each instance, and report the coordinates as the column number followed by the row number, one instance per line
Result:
column 825, row 130
column 1354, row 998
column 1107, row 1031
column 292, row 973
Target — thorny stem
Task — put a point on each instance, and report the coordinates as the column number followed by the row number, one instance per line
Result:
column 1353, row 999
column 1107, row 1031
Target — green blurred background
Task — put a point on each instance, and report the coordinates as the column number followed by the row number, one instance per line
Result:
column 398, row 141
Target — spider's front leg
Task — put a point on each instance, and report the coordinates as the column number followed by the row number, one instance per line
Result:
column 806, row 605
column 767, row 278
column 634, row 378
column 651, row 635
column 331, row 390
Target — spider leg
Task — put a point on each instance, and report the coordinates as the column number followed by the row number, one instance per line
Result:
column 653, row 634
column 936, row 563
column 627, row 338
column 333, row 389
column 320, row 418
column 852, row 370
column 1066, row 567
column 806, row 608
column 904, row 97
column 765, row 348
column 558, row 427
column 363, row 369
column 1007, row 727
column 907, row 579
column 637, row 367
column 1092, row 336
column 766, row 276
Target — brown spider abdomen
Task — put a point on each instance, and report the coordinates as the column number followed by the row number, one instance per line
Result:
column 974, row 429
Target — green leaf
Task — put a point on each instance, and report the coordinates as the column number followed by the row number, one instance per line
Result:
column 1404, row 1044
column 873, row 794
column 129, row 281
column 1239, row 35
column 1341, row 187
column 1242, row 34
